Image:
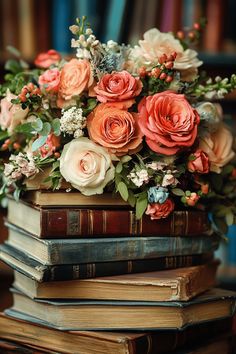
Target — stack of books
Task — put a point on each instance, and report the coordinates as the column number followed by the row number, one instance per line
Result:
column 90, row 278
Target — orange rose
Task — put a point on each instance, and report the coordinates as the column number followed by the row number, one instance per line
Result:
column 115, row 128
column 44, row 60
column 160, row 211
column 168, row 121
column 50, row 80
column 76, row 77
column 118, row 86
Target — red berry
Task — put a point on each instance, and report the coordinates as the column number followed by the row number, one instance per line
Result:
column 169, row 65
column 169, row 78
column 197, row 26
column 162, row 58
column 180, row 34
column 191, row 35
column 16, row 146
column 22, row 97
column 4, row 146
column 57, row 154
column 142, row 71
column 7, row 141
column 163, row 76
column 156, row 72
column 30, row 86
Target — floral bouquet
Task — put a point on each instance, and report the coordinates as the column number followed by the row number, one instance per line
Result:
column 137, row 121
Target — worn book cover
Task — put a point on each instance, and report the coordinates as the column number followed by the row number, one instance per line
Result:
column 168, row 285
column 137, row 315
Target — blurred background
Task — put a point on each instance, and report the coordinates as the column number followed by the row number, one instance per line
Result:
column 34, row 26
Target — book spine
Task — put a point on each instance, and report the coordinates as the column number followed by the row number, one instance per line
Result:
column 61, row 20
column 93, row 270
column 58, row 223
column 119, row 249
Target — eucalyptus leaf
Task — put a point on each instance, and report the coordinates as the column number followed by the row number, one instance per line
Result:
column 126, row 158
column 24, row 128
column 119, row 167
column 123, row 190
column 177, row 191
column 13, row 66
column 46, row 129
column 56, row 126
column 38, row 143
column 13, row 51
column 37, row 125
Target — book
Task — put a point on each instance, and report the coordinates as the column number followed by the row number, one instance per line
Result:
column 212, row 40
column 167, row 285
column 9, row 25
column 28, row 330
column 85, row 250
column 73, row 198
column 27, row 30
column 77, row 222
column 61, row 17
column 24, row 264
column 7, row 347
column 114, row 315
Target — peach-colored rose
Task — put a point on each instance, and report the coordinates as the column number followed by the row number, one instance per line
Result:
column 118, row 86
column 44, row 60
column 11, row 114
column 50, row 80
column 159, row 211
column 192, row 199
column 50, row 146
column 76, row 77
column 168, row 121
column 199, row 162
column 156, row 43
column 218, row 147
column 86, row 165
column 115, row 128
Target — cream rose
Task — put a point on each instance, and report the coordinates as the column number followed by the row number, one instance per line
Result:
column 156, row 43
column 11, row 114
column 218, row 147
column 86, row 165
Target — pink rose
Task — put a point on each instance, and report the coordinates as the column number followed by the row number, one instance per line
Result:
column 192, row 199
column 76, row 77
column 168, row 121
column 11, row 114
column 199, row 162
column 44, row 60
column 118, row 86
column 159, row 211
column 219, row 148
column 115, row 128
column 50, row 80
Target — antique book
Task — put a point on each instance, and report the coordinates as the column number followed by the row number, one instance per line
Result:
column 7, row 347
column 28, row 330
column 85, row 250
column 57, row 198
column 168, row 285
column 78, row 222
column 24, row 264
column 125, row 315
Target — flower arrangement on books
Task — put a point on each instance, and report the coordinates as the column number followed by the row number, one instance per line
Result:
column 140, row 121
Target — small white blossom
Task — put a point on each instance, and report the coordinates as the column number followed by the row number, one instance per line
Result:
column 19, row 166
column 72, row 122
column 139, row 177
column 169, row 179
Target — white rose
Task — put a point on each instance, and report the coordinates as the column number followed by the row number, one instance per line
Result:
column 218, row 147
column 86, row 166
column 156, row 43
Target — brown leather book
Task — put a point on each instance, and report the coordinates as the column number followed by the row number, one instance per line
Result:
column 168, row 285
column 92, row 222
column 28, row 331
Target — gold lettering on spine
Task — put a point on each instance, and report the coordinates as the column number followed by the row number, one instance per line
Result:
column 186, row 223
column 90, row 222
column 104, row 221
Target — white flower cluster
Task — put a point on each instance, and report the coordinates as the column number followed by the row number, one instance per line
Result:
column 139, row 177
column 72, row 121
column 19, row 166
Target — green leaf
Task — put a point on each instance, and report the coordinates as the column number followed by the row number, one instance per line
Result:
column 13, row 51
column 119, row 167
column 141, row 206
column 131, row 199
column 24, row 64
column 38, row 143
column 126, row 158
column 177, row 191
column 123, row 190
column 4, row 135
column 24, row 128
column 217, row 181
column 13, row 66
column 37, row 125
column 46, row 129
column 229, row 218
column 56, row 126
column 227, row 169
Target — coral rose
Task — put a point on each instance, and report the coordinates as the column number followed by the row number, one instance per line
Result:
column 44, row 60
column 218, row 147
column 156, row 43
column 115, row 128
column 168, row 121
column 11, row 114
column 50, row 80
column 86, row 165
column 199, row 162
column 76, row 77
column 118, row 86
column 159, row 211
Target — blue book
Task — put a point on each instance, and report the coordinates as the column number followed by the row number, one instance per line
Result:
column 61, row 20
column 85, row 250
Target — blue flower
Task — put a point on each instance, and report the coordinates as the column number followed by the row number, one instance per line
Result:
column 157, row 195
